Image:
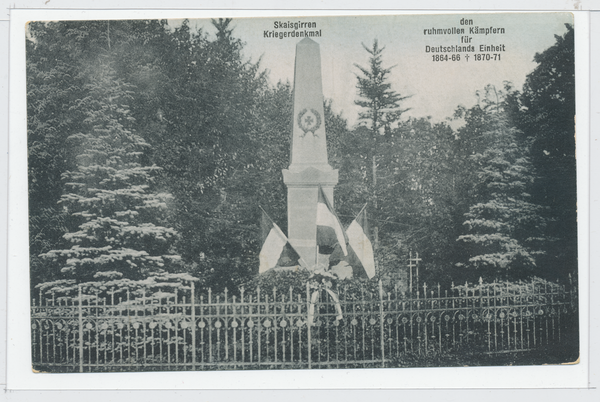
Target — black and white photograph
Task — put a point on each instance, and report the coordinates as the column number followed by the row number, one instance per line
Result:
column 299, row 193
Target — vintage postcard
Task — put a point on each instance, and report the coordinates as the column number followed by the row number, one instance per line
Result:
column 328, row 192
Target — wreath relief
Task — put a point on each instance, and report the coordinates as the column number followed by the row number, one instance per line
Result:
column 309, row 120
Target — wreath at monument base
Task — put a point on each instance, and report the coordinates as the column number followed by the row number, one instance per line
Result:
column 323, row 280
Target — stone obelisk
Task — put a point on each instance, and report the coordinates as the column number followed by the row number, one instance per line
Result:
column 308, row 168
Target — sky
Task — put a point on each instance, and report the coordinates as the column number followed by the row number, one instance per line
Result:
column 435, row 88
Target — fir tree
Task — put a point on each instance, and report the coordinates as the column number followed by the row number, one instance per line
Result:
column 381, row 109
column 504, row 228
column 381, row 104
column 114, row 213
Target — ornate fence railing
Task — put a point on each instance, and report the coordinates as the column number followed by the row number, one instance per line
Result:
column 292, row 330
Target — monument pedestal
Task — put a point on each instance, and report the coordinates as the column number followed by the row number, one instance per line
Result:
column 303, row 191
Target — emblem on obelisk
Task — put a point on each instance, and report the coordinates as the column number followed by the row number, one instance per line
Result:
column 309, row 120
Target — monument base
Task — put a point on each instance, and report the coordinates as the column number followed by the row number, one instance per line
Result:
column 303, row 192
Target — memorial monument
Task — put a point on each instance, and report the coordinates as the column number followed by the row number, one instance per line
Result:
column 309, row 167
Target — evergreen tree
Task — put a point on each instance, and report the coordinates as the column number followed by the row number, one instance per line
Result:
column 380, row 103
column 58, row 58
column 381, row 109
column 114, row 214
column 504, row 229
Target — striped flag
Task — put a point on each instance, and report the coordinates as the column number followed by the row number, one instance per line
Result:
column 329, row 228
column 361, row 257
column 276, row 250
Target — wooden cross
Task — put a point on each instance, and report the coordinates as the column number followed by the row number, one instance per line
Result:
column 416, row 261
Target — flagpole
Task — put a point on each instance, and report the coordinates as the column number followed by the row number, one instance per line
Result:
column 362, row 209
column 317, row 258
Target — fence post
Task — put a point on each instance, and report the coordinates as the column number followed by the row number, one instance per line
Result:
column 410, row 268
column 80, row 298
column 381, row 321
column 193, row 305
column 308, row 326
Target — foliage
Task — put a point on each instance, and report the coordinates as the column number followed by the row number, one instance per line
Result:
column 532, row 286
column 192, row 104
column 53, row 82
column 547, row 119
column 381, row 109
column 60, row 58
column 114, row 214
column 380, row 103
column 225, row 151
column 160, row 287
column 503, row 228
column 422, row 192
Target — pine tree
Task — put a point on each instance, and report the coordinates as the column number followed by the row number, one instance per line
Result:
column 381, row 103
column 381, row 109
column 504, row 228
column 114, row 213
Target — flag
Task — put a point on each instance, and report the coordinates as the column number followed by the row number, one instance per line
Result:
column 276, row 250
column 361, row 250
column 329, row 228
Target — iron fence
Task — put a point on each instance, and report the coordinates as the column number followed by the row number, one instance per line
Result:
column 315, row 328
